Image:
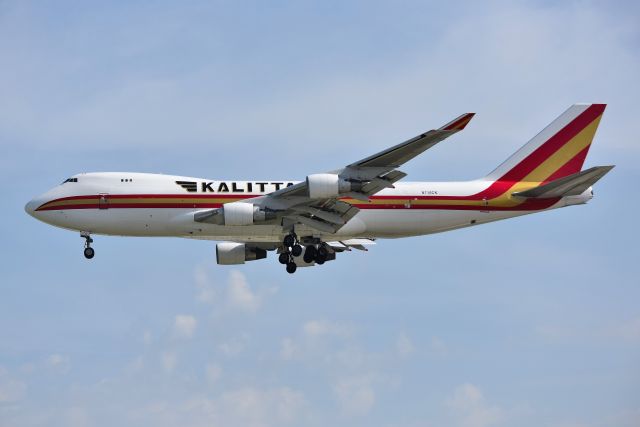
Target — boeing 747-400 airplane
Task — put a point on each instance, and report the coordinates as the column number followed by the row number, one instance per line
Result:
column 310, row 221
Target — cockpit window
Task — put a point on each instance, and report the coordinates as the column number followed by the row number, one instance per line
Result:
column 70, row 180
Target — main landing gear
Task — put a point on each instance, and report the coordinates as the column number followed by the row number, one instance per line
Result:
column 88, row 250
column 292, row 248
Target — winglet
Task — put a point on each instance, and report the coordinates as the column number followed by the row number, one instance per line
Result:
column 458, row 123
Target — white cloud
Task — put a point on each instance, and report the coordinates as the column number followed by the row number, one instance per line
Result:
column 329, row 343
column 213, row 372
column 233, row 346
column 11, row 390
column 627, row 330
column 239, row 293
column 169, row 360
column 246, row 406
column 237, row 296
column 469, row 408
column 438, row 347
column 184, row 326
column 136, row 364
column 58, row 362
column 288, row 349
column 78, row 417
column 26, row 368
column 355, row 394
column 319, row 328
column 206, row 292
column 252, row 406
column 404, row 345
column 147, row 338
column 572, row 424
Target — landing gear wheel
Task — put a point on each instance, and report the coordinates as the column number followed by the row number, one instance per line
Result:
column 322, row 251
column 289, row 240
column 88, row 250
column 309, row 254
column 321, row 255
column 283, row 258
column 89, row 253
column 296, row 250
column 308, row 258
column 291, row 267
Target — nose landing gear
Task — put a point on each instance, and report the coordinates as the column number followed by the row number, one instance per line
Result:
column 88, row 250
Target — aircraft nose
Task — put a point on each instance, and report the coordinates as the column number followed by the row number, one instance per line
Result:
column 31, row 207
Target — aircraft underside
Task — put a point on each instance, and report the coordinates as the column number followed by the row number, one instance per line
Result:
column 377, row 223
column 302, row 245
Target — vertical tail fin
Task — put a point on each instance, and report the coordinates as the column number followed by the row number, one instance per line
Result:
column 558, row 151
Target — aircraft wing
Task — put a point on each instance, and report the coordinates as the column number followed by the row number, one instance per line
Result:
column 399, row 154
column 316, row 202
column 379, row 168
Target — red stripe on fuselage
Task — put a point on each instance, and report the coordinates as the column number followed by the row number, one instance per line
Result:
column 158, row 196
column 131, row 206
column 528, row 205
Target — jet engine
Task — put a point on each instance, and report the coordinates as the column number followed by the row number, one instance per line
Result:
column 235, row 213
column 327, row 185
column 238, row 213
column 230, row 253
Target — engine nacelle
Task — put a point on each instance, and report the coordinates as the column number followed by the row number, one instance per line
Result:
column 229, row 253
column 238, row 213
column 327, row 185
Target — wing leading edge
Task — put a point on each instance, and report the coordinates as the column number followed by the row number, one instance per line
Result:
column 399, row 154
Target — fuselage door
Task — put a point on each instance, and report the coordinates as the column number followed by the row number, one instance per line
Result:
column 103, row 201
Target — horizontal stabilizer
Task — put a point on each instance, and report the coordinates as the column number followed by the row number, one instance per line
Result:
column 572, row 185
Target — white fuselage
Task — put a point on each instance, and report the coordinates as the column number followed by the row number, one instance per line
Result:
column 140, row 204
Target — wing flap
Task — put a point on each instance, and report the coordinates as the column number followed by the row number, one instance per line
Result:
column 314, row 223
column 328, row 216
column 347, row 245
column 322, row 214
column 385, row 181
column 572, row 185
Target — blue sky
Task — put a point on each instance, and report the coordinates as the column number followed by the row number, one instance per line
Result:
column 531, row 322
